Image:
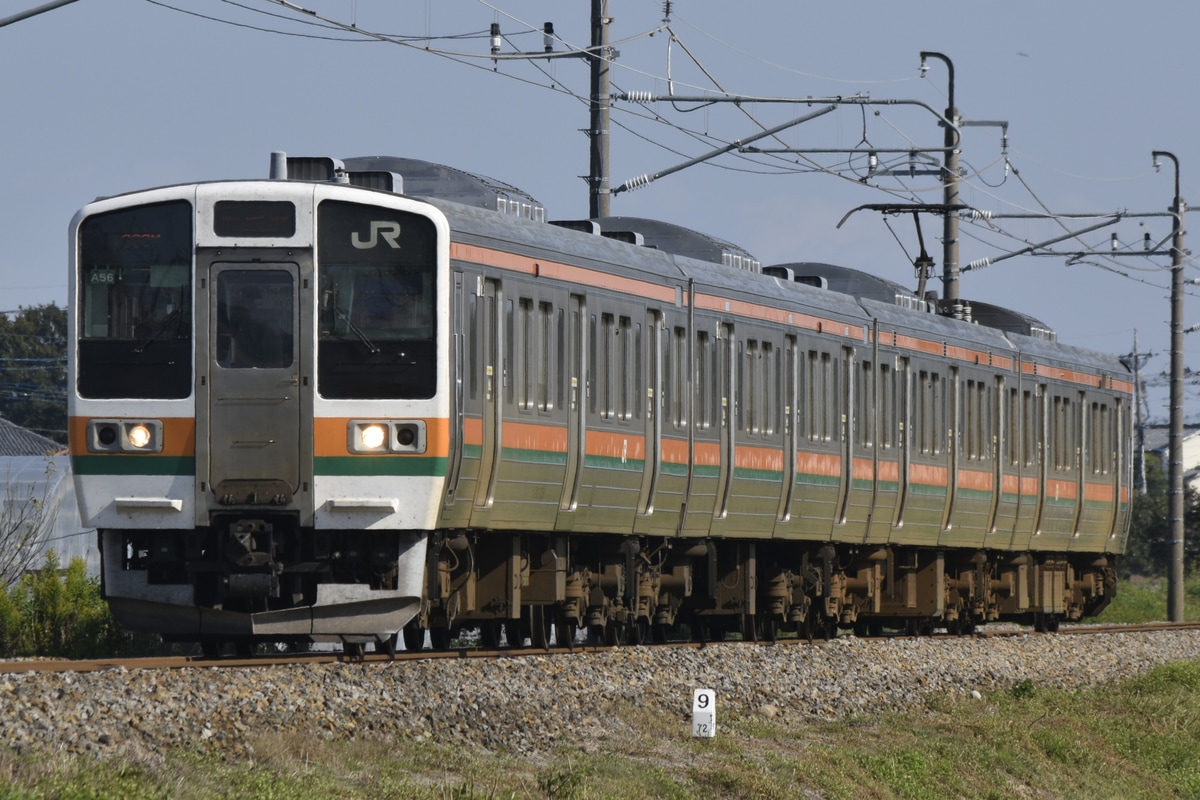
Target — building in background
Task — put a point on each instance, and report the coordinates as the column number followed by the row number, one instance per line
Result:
column 34, row 466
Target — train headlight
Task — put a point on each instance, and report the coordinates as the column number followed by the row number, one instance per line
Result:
column 139, row 436
column 374, row 436
column 368, row 436
column 386, row 436
column 124, row 436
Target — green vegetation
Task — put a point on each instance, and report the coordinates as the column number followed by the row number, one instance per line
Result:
column 1137, row 739
column 1145, row 600
column 60, row 614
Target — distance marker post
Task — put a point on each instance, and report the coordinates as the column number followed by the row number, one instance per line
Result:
column 704, row 713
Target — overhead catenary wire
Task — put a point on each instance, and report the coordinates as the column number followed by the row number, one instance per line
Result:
column 849, row 170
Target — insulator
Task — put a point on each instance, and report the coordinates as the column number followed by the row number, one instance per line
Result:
column 979, row 264
column 637, row 183
column 639, row 97
column 976, row 214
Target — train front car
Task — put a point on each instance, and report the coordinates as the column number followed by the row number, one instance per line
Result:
column 258, row 412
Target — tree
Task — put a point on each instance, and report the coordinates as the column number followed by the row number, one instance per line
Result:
column 33, row 369
column 26, row 517
column 1148, row 551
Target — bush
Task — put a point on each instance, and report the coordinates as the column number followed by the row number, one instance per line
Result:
column 59, row 613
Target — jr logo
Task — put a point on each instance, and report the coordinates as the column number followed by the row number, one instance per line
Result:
column 387, row 230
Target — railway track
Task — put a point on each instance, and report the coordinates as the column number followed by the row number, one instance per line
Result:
column 471, row 652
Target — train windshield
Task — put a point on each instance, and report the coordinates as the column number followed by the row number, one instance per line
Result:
column 376, row 315
column 135, row 289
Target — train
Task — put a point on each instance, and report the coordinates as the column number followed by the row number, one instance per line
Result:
column 377, row 401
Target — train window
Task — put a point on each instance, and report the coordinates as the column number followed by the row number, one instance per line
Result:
column 931, row 413
column 507, row 373
column 725, row 376
column 594, row 366
column 632, row 372
column 654, row 391
column 679, row 384
column 977, row 421
column 1015, row 433
column 525, row 365
column 825, row 397
column 560, row 378
column 770, row 363
column 255, row 319
column 815, row 396
column 275, row 219
column 1031, row 427
column 747, row 379
column 791, row 394
column 377, row 284
column 135, row 303
column 923, row 420
column 832, row 407
column 546, row 340
column 864, row 407
column 472, row 346
column 887, row 407
column 704, row 377
column 608, row 366
column 1062, row 439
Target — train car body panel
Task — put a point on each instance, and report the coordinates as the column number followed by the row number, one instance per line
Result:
column 318, row 409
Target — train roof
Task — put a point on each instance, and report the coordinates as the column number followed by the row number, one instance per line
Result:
column 849, row 281
column 417, row 178
column 666, row 249
column 669, row 237
column 866, row 286
column 427, row 180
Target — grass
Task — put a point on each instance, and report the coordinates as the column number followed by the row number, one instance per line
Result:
column 1145, row 600
column 1135, row 739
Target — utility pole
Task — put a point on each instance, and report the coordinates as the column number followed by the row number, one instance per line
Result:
column 950, row 199
column 598, row 176
column 1133, row 362
column 1175, row 441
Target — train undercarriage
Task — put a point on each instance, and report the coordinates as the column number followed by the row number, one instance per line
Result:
column 544, row 588
column 250, row 581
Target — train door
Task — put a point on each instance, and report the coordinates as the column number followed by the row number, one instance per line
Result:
column 491, row 346
column 254, row 384
column 791, row 401
column 904, row 442
column 656, row 331
column 1081, row 455
column 728, row 388
column 1038, row 429
column 998, row 433
column 953, row 446
column 848, row 426
column 458, row 344
column 1121, row 466
column 576, row 377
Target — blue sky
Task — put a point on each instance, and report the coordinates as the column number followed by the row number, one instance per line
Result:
column 108, row 96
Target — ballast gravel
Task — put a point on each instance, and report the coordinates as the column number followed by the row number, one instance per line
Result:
column 536, row 703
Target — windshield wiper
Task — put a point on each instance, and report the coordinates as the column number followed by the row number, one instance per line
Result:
column 162, row 326
column 357, row 331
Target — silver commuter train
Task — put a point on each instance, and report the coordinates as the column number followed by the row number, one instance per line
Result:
column 382, row 397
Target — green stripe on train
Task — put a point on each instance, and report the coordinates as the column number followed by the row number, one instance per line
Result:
column 133, row 465
column 398, row 466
